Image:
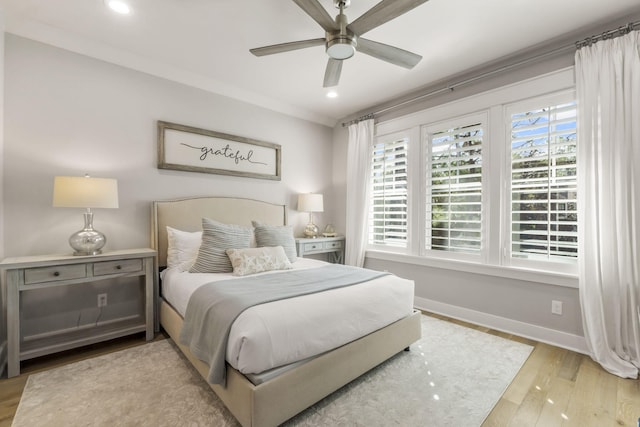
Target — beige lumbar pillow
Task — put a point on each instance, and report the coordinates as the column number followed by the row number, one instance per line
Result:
column 256, row 260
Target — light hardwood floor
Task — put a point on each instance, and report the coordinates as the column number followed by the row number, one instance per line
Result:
column 558, row 387
column 555, row 387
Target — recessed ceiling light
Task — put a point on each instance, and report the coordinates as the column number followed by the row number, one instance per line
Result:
column 332, row 94
column 118, row 6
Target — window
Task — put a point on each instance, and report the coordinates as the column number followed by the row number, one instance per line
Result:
column 490, row 180
column 454, row 189
column 543, row 183
column 389, row 197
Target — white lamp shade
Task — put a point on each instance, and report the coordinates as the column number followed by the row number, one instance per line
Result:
column 310, row 203
column 85, row 192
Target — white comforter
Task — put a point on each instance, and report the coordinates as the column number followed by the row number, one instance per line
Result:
column 282, row 332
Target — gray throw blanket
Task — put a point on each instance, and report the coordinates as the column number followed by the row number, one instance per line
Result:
column 213, row 307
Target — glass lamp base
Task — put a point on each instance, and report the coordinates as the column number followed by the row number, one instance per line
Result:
column 311, row 230
column 87, row 241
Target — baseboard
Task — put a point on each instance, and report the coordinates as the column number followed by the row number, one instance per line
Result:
column 538, row 333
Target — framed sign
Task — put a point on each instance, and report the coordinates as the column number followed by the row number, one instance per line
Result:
column 192, row 149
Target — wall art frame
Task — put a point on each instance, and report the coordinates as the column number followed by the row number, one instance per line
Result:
column 191, row 149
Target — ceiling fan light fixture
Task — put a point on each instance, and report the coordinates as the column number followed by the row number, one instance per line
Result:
column 341, row 48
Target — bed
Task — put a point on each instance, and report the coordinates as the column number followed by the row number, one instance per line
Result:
column 278, row 397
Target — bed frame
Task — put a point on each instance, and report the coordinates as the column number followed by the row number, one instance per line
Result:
column 280, row 398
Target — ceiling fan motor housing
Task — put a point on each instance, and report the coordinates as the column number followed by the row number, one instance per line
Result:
column 341, row 44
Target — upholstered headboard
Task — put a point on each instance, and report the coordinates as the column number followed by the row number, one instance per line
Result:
column 187, row 214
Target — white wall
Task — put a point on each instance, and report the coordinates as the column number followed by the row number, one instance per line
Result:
column 1, row 132
column 3, row 297
column 67, row 114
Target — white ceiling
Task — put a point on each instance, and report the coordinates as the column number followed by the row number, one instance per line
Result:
column 205, row 43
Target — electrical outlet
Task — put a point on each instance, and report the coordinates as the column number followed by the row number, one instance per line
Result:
column 556, row 307
column 102, row 300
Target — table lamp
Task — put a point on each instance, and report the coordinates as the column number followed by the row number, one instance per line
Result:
column 310, row 202
column 85, row 192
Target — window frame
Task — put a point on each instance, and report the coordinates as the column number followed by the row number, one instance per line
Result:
column 560, row 265
column 384, row 139
column 425, row 194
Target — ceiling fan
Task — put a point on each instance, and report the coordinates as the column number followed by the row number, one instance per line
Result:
column 343, row 39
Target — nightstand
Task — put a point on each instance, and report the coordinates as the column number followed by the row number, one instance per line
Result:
column 38, row 273
column 332, row 246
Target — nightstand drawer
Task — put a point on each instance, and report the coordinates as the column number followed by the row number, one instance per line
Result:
column 332, row 245
column 310, row 247
column 52, row 274
column 114, row 267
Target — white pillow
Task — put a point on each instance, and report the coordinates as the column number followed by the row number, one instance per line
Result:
column 182, row 248
column 256, row 260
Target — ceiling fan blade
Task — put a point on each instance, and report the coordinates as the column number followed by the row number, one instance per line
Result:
column 332, row 73
column 383, row 12
column 319, row 14
column 286, row 47
column 391, row 54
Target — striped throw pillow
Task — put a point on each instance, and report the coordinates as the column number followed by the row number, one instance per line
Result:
column 216, row 239
column 276, row 235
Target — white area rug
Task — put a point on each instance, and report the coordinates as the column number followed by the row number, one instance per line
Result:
column 453, row 376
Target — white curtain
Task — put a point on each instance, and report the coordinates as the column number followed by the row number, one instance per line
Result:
column 608, row 89
column 358, row 190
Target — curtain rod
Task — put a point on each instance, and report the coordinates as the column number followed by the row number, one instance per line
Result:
column 620, row 31
column 625, row 29
column 359, row 119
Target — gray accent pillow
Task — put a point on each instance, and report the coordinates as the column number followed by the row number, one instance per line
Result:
column 276, row 235
column 216, row 239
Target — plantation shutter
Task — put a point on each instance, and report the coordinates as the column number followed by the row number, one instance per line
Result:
column 454, row 202
column 388, row 209
column 544, row 221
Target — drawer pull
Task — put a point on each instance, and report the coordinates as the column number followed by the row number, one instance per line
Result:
column 56, row 273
